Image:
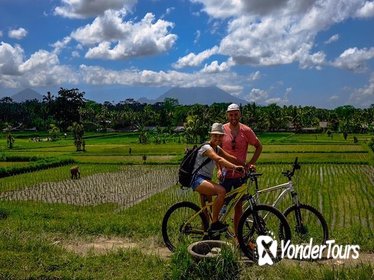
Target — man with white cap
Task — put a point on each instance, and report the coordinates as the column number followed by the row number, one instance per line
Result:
column 236, row 140
column 202, row 180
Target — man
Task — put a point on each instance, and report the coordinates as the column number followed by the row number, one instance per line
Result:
column 236, row 140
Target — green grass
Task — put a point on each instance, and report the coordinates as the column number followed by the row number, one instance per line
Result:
column 337, row 178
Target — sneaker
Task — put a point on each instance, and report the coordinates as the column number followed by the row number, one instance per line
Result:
column 218, row 227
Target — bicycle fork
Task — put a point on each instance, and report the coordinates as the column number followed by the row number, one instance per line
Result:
column 300, row 228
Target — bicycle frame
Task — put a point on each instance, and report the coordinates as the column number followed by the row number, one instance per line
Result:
column 285, row 187
column 234, row 196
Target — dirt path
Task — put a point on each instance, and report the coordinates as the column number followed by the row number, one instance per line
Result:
column 103, row 245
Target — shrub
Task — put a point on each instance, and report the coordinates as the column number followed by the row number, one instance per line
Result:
column 183, row 267
column 371, row 144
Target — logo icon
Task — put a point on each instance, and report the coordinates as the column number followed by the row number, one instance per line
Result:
column 267, row 249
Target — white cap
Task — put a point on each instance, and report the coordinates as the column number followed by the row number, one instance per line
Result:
column 233, row 107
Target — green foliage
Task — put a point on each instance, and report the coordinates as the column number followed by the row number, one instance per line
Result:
column 78, row 132
column 371, row 144
column 54, row 132
column 34, row 166
column 183, row 267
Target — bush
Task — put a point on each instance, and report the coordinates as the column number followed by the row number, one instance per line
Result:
column 371, row 144
column 35, row 165
column 183, row 267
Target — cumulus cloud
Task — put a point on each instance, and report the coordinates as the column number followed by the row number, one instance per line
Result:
column 59, row 45
column 366, row 11
column 215, row 67
column 266, row 97
column 100, row 76
column 91, row 8
column 332, row 39
column 275, row 32
column 192, row 60
column 364, row 97
column 112, row 38
column 257, row 95
column 39, row 60
column 10, row 58
column 354, row 59
column 18, row 34
column 41, row 69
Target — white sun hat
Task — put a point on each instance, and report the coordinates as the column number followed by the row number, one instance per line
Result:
column 217, row 128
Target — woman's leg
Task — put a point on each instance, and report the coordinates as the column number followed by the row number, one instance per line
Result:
column 209, row 188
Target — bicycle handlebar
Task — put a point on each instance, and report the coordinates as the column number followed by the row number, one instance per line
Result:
column 295, row 166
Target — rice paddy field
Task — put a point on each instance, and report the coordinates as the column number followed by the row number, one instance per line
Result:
column 107, row 224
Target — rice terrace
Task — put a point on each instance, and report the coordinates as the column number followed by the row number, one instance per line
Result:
column 106, row 225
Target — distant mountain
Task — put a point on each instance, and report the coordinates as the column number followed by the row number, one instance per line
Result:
column 26, row 94
column 197, row 95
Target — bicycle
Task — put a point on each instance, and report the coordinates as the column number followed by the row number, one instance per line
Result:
column 305, row 221
column 187, row 222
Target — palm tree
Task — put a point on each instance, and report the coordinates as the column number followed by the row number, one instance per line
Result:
column 78, row 132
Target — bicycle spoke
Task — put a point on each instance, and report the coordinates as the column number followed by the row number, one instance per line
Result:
column 306, row 224
column 183, row 225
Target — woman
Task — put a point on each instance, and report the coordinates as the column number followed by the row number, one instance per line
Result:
column 202, row 180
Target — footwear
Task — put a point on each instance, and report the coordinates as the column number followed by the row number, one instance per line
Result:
column 217, row 227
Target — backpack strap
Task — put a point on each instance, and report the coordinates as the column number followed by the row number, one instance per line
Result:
column 204, row 163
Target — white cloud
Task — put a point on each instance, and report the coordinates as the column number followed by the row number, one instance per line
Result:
column 215, row 67
column 114, row 39
column 280, row 100
column 99, row 76
column 1, row 33
column 316, row 60
column 59, row 45
column 332, row 39
column 10, row 58
column 367, row 10
column 39, row 60
column 91, row 8
column 354, row 59
column 364, row 97
column 264, row 96
column 274, row 32
column 257, row 95
column 41, row 69
column 192, row 59
column 75, row 54
column 18, row 34
column 255, row 76
column 235, row 90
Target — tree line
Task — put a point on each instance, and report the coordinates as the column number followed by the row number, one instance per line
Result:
column 69, row 109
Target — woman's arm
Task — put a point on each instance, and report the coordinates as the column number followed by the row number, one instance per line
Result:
column 230, row 157
column 222, row 161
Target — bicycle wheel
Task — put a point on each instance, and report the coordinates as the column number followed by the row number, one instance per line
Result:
column 306, row 222
column 182, row 223
column 264, row 220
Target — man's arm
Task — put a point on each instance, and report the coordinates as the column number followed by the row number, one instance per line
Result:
column 256, row 154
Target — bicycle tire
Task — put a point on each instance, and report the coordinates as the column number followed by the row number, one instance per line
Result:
column 280, row 230
column 174, row 227
column 315, row 227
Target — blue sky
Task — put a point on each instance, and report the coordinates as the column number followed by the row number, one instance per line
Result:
column 289, row 52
